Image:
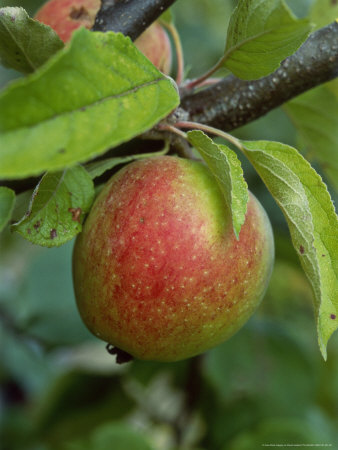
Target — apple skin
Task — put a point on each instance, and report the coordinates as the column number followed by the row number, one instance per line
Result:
column 154, row 43
column 157, row 269
column 65, row 16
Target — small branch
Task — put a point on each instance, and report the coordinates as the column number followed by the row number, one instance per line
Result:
column 129, row 17
column 197, row 82
column 233, row 102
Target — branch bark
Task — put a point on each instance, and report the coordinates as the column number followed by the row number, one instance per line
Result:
column 233, row 102
column 130, row 17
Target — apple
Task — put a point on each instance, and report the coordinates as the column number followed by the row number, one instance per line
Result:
column 65, row 16
column 157, row 269
column 154, row 43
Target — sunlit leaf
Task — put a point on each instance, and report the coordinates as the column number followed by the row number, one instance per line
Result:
column 57, row 208
column 226, row 168
column 94, row 94
column 25, row 44
column 313, row 223
column 260, row 35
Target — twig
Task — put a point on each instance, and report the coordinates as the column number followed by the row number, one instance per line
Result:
column 129, row 17
column 233, row 102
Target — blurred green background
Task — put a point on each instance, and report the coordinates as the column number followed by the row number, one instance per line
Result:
column 267, row 385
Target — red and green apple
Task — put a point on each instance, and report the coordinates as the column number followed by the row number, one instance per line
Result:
column 65, row 16
column 157, row 269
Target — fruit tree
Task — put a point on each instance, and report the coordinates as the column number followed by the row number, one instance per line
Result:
column 168, row 174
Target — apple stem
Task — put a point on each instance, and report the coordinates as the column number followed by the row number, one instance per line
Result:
column 173, row 129
column 200, row 80
column 199, row 126
column 210, row 82
column 179, row 51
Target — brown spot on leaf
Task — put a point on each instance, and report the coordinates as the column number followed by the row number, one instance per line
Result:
column 301, row 249
column 62, row 150
column 29, row 230
column 76, row 213
column 333, row 316
column 323, row 256
column 37, row 225
column 53, row 233
column 334, row 2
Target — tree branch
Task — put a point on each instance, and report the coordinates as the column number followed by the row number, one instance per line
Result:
column 233, row 102
column 130, row 17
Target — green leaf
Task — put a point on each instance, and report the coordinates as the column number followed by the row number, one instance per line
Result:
column 96, row 93
column 226, row 168
column 313, row 223
column 57, row 208
column 97, row 168
column 315, row 116
column 332, row 86
column 117, row 435
column 167, row 17
column 25, row 44
column 260, row 35
column 324, row 12
column 7, row 200
column 269, row 340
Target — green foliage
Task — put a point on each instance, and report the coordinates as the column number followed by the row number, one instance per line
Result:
column 167, row 17
column 60, row 390
column 260, row 35
column 262, row 341
column 97, row 168
column 296, row 431
column 315, row 116
column 7, row 201
column 57, row 208
column 76, row 388
column 324, row 12
column 36, row 296
column 313, row 224
column 25, row 44
column 118, row 435
column 93, row 95
column 61, row 418
column 228, row 172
